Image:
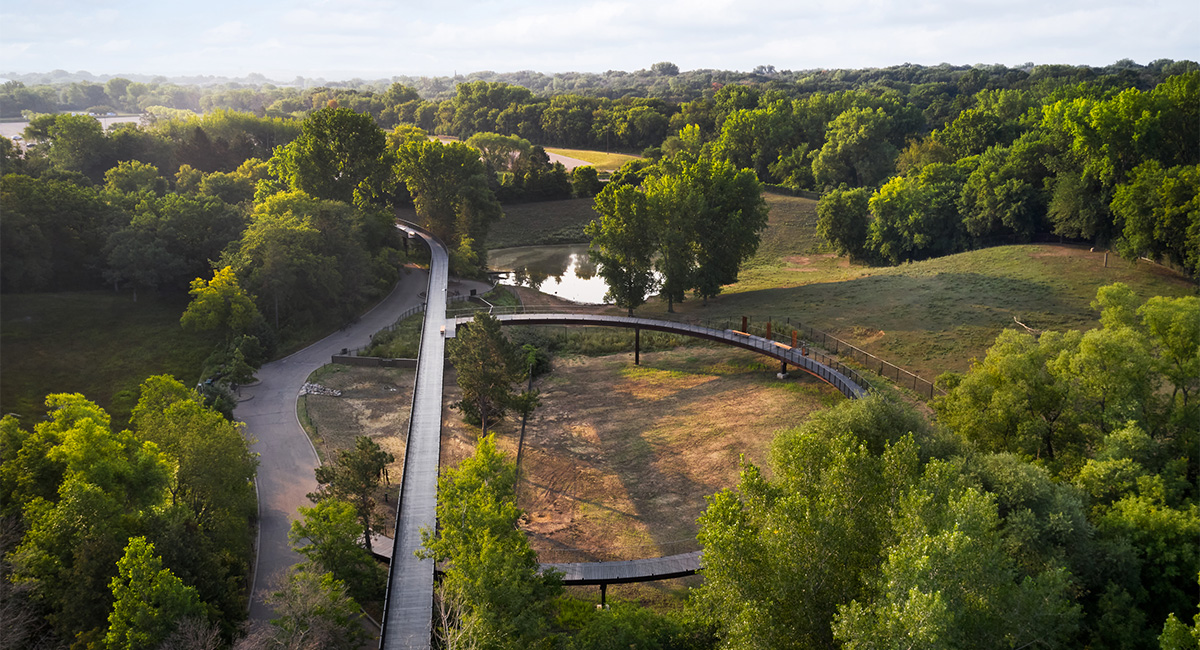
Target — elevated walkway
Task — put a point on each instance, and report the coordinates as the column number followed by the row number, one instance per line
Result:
column 408, row 603
column 826, row 369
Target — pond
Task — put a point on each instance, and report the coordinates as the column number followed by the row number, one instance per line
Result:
column 564, row 271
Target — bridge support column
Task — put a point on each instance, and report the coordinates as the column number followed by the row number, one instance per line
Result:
column 603, row 595
column 637, row 346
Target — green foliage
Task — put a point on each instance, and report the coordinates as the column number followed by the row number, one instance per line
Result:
column 916, row 216
column 585, row 182
column 492, row 589
column 856, row 150
column 221, row 304
column 450, row 190
column 110, row 484
column 620, row 245
column 729, row 223
column 622, row 626
column 51, row 233
column 313, row 610
column 486, row 365
column 310, row 261
column 948, row 583
column 353, row 477
column 329, row 538
column 781, row 555
column 1161, row 211
column 843, row 220
column 1047, row 397
column 135, row 177
column 149, row 601
column 183, row 482
column 338, row 156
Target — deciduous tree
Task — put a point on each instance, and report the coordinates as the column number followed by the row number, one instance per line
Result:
column 486, row 365
column 623, row 245
column 149, row 602
column 353, row 476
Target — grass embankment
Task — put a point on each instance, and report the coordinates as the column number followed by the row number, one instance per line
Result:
column 542, row 223
column 931, row 316
column 98, row 343
column 603, row 161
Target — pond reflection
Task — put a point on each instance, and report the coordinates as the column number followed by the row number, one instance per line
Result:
column 565, row 271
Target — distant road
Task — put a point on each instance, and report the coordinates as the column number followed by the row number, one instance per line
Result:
column 569, row 163
column 9, row 129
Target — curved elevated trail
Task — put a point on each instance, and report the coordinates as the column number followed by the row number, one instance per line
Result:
column 408, row 603
column 839, row 377
column 408, row 607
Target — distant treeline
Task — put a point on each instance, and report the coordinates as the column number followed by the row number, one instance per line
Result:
column 913, row 161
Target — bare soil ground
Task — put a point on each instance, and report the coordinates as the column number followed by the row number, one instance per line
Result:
column 618, row 459
column 375, row 402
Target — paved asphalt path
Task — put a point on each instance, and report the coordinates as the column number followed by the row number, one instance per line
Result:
column 287, row 459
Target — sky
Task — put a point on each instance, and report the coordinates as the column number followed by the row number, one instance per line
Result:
column 378, row 39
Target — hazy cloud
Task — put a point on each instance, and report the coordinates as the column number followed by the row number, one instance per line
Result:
column 380, row 38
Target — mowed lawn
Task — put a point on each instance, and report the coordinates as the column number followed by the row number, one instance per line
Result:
column 542, row 223
column 931, row 316
column 603, row 161
column 98, row 343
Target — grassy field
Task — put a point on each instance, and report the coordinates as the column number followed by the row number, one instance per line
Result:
column 98, row 343
column 931, row 316
column 542, row 223
column 601, row 160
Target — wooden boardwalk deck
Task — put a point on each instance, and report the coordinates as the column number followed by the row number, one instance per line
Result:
column 408, row 604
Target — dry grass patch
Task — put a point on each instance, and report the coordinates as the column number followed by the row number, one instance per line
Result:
column 375, row 402
column 619, row 458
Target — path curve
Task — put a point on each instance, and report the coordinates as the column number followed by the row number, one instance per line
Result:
column 827, row 370
column 286, row 458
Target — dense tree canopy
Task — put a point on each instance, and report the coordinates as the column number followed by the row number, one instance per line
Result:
column 491, row 578
column 174, row 498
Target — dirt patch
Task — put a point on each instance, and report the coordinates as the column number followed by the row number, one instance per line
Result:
column 619, row 458
column 804, row 263
column 1063, row 250
column 374, row 402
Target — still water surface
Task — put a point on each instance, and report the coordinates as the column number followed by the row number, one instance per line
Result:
column 563, row 270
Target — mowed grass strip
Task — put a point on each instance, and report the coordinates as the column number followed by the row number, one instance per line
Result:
column 603, row 161
column 542, row 223
column 98, row 343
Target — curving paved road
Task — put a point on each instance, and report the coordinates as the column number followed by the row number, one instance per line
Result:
column 286, row 457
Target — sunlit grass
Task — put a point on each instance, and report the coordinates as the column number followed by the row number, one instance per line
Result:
column 603, row 161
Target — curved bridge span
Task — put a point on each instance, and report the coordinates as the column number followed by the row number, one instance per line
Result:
column 841, row 378
column 408, row 602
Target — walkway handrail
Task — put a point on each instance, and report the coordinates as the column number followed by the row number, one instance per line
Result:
column 408, row 600
column 845, row 379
